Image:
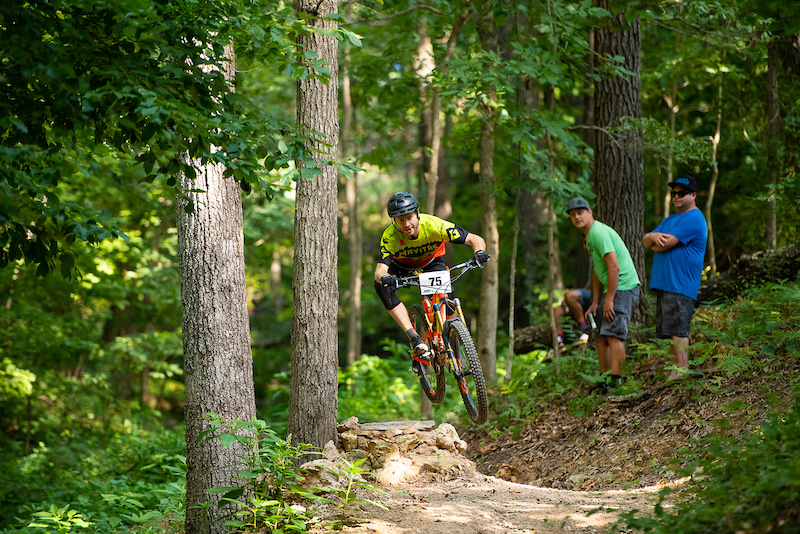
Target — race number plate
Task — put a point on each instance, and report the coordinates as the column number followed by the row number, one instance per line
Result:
column 434, row 282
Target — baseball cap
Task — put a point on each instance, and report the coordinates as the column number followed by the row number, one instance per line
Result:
column 576, row 203
column 687, row 182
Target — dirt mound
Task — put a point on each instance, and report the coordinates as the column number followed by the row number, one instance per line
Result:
column 427, row 485
column 633, row 443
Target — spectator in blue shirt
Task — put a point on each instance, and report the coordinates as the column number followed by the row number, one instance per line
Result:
column 679, row 243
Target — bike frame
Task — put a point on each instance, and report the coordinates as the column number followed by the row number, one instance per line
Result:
column 449, row 340
column 435, row 308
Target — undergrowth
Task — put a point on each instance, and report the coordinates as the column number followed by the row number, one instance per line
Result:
column 744, row 484
column 749, row 483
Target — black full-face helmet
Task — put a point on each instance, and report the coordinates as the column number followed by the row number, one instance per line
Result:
column 402, row 203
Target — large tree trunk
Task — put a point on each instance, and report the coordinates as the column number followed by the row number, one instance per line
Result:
column 619, row 161
column 218, row 362
column 314, row 361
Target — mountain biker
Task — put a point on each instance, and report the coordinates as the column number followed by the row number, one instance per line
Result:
column 415, row 243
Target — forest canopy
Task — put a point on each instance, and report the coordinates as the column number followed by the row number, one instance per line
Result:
column 486, row 111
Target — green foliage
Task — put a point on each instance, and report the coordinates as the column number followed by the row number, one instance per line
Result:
column 379, row 389
column 14, row 382
column 131, row 92
column 740, row 484
column 132, row 478
column 537, row 385
column 62, row 519
column 346, row 497
column 271, row 478
column 269, row 473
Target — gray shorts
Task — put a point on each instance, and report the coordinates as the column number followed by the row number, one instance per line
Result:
column 673, row 314
column 624, row 303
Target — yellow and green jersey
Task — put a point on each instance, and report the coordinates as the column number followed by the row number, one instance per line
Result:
column 411, row 254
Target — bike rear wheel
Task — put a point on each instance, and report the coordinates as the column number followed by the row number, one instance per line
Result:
column 428, row 374
column 467, row 371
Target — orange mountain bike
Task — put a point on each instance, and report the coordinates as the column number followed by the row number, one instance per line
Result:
column 440, row 322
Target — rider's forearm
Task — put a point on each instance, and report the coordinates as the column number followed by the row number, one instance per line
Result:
column 476, row 242
column 381, row 270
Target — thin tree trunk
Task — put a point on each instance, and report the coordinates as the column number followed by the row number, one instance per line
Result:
column 773, row 165
column 673, row 116
column 314, row 361
column 353, row 227
column 712, row 188
column 424, row 66
column 552, row 252
column 487, row 319
column 512, row 293
column 432, row 174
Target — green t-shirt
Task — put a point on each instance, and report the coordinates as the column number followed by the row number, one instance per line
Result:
column 601, row 240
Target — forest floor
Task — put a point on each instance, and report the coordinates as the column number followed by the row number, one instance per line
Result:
column 566, row 473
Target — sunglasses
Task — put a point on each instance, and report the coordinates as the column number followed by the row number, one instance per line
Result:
column 680, row 194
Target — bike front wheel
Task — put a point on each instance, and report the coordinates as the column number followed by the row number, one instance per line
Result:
column 428, row 374
column 468, row 373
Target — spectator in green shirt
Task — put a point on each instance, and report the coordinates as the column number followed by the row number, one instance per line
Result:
column 613, row 270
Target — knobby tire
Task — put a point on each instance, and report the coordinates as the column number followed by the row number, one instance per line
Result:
column 428, row 372
column 467, row 372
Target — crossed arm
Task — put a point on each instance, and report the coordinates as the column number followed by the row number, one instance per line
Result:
column 659, row 242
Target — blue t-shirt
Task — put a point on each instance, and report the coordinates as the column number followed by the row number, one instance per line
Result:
column 678, row 269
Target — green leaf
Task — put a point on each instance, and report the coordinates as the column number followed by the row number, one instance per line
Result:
column 227, row 440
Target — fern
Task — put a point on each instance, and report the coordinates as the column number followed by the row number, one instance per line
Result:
column 736, row 361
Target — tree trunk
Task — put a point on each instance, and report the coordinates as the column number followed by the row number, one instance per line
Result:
column 773, row 163
column 218, row 362
column 353, row 227
column 487, row 318
column 674, row 108
column 712, row 187
column 434, row 111
column 314, row 360
column 512, row 293
column 619, row 162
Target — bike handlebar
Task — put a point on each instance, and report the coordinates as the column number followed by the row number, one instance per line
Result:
column 465, row 266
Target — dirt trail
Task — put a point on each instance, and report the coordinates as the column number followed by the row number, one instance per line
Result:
column 619, row 445
column 474, row 503
column 429, row 485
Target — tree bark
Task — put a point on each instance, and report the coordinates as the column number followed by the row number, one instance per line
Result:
column 218, row 362
column 314, row 360
column 619, row 160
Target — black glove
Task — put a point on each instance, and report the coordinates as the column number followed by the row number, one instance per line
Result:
column 390, row 281
column 481, row 257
